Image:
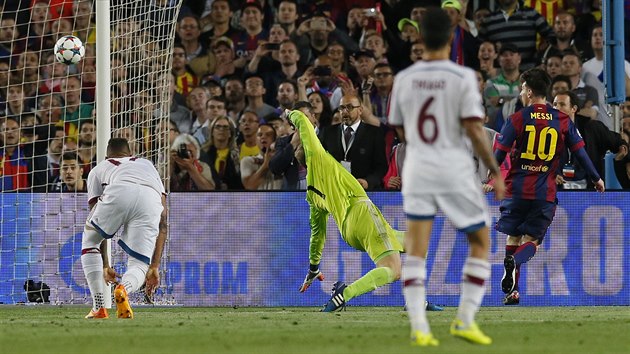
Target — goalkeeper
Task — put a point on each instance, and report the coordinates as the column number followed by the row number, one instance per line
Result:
column 333, row 190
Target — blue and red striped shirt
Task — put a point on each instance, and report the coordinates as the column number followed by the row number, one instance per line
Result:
column 536, row 136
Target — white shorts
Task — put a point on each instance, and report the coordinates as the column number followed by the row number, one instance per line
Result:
column 136, row 207
column 466, row 209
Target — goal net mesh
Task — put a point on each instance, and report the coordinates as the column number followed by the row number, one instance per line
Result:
column 48, row 134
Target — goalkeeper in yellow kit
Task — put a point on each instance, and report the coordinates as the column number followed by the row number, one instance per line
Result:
column 333, row 190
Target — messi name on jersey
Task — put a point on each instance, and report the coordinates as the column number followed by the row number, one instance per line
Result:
column 541, row 115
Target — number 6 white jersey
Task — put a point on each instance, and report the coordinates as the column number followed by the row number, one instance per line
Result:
column 430, row 99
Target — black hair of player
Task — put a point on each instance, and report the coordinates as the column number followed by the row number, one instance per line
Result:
column 117, row 147
column 435, row 28
column 537, row 80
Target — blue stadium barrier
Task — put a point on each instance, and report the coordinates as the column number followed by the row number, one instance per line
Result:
column 251, row 249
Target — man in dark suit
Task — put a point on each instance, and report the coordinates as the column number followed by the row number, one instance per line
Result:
column 359, row 147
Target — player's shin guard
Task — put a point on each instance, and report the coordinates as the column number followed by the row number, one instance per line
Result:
column 475, row 273
column 373, row 279
column 414, row 274
column 133, row 278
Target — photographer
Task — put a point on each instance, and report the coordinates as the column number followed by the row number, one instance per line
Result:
column 187, row 172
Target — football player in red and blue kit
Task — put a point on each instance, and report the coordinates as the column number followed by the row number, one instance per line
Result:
column 535, row 137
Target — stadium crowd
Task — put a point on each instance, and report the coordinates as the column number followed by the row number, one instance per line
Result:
column 237, row 65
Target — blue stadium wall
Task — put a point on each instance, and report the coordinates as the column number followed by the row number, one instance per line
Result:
column 251, row 249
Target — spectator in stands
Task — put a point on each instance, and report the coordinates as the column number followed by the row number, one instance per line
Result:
column 196, row 102
column 363, row 62
column 255, row 172
column 392, row 179
column 53, row 155
column 559, row 84
column 135, row 140
column 83, row 27
column 215, row 107
column 553, row 63
column 187, row 172
column 185, row 79
column 246, row 42
column 226, row 62
column 87, row 145
column 52, row 73
column 505, row 87
column 71, row 176
column 119, row 76
column 9, row 45
column 359, row 147
column 178, row 113
column 188, row 33
column 255, row 91
column 416, row 52
column 487, row 56
column 39, row 36
column 274, row 72
column 279, row 125
column 74, row 109
column 15, row 168
column 513, row 23
column 220, row 16
column 17, row 102
column 588, row 96
column 564, row 28
column 465, row 46
column 320, row 110
column 61, row 27
column 248, row 127
column 49, row 111
column 287, row 15
column 375, row 43
column 379, row 97
column 355, row 22
column 235, row 98
column 287, row 94
column 283, row 162
column 27, row 69
column 222, row 155
column 597, row 138
column 595, row 66
column 314, row 35
column 165, row 133
column 337, row 54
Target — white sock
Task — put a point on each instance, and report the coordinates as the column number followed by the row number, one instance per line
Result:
column 133, row 278
column 93, row 269
column 475, row 273
column 414, row 274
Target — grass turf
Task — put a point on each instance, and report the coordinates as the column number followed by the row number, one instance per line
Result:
column 51, row 329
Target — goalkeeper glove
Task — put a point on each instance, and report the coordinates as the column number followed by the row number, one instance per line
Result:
column 310, row 277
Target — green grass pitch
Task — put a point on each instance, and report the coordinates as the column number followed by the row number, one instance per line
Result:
column 383, row 330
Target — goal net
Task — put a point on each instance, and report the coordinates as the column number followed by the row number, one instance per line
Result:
column 48, row 134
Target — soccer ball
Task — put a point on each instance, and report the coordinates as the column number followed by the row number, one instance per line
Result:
column 69, row 50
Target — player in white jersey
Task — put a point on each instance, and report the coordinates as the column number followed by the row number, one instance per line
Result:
column 123, row 190
column 436, row 107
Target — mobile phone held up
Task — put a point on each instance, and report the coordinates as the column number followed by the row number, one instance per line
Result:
column 371, row 12
column 272, row 46
column 183, row 152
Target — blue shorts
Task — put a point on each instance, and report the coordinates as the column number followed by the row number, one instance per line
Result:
column 526, row 217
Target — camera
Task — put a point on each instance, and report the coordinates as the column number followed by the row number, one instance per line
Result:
column 371, row 12
column 272, row 46
column 183, row 152
column 322, row 71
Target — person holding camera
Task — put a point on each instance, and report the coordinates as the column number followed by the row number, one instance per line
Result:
column 255, row 172
column 187, row 172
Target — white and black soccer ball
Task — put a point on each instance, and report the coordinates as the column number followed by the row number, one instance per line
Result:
column 69, row 50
